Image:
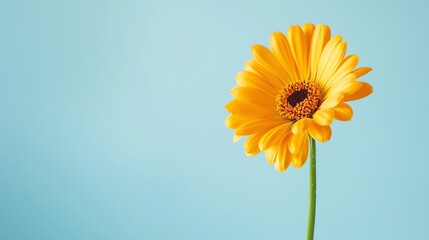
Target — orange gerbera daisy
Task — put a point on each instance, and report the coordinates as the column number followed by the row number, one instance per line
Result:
column 293, row 91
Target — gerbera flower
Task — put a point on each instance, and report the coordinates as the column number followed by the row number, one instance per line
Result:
column 293, row 91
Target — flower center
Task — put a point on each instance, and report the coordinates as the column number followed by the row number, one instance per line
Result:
column 298, row 100
column 297, row 97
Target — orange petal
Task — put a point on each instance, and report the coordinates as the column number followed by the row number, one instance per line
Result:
column 351, row 88
column 340, row 85
column 251, row 145
column 343, row 112
column 321, row 36
column 298, row 160
column 273, row 136
column 253, row 95
column 250, row 110
column 320, row 133
column 323, row 116
column 256, row 68
column 267, row 59
column 283, row 157
column 349, row 63
column 362, row 71
column 257, row 126
column 298, row 43
column 233, row 121
column 252, row 80
column 325, row 57
column 271, row 154
column 332, row 63
column 332, row 101
column 296, row 142
column 235, row 138
column 301, row 125
column 364, row 91
column 283, row 53
column 308, row 30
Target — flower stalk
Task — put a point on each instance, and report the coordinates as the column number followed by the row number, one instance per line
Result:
column 312, row 202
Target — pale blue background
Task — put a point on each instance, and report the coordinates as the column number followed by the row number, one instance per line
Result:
column 112, row 123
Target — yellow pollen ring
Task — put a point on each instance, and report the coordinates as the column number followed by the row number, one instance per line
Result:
column 298, row 100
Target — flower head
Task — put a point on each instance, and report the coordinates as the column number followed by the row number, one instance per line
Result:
column 293, row 91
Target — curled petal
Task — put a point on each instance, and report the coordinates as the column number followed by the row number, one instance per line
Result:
column 324, row 117
column 343, row 112
column 298, row 160
column 300, row 125
column 296, row 142
column 320, row 133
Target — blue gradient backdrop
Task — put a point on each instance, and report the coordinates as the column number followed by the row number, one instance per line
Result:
column 112, row 123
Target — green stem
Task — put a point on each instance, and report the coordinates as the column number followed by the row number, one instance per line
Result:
column 312, row 203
